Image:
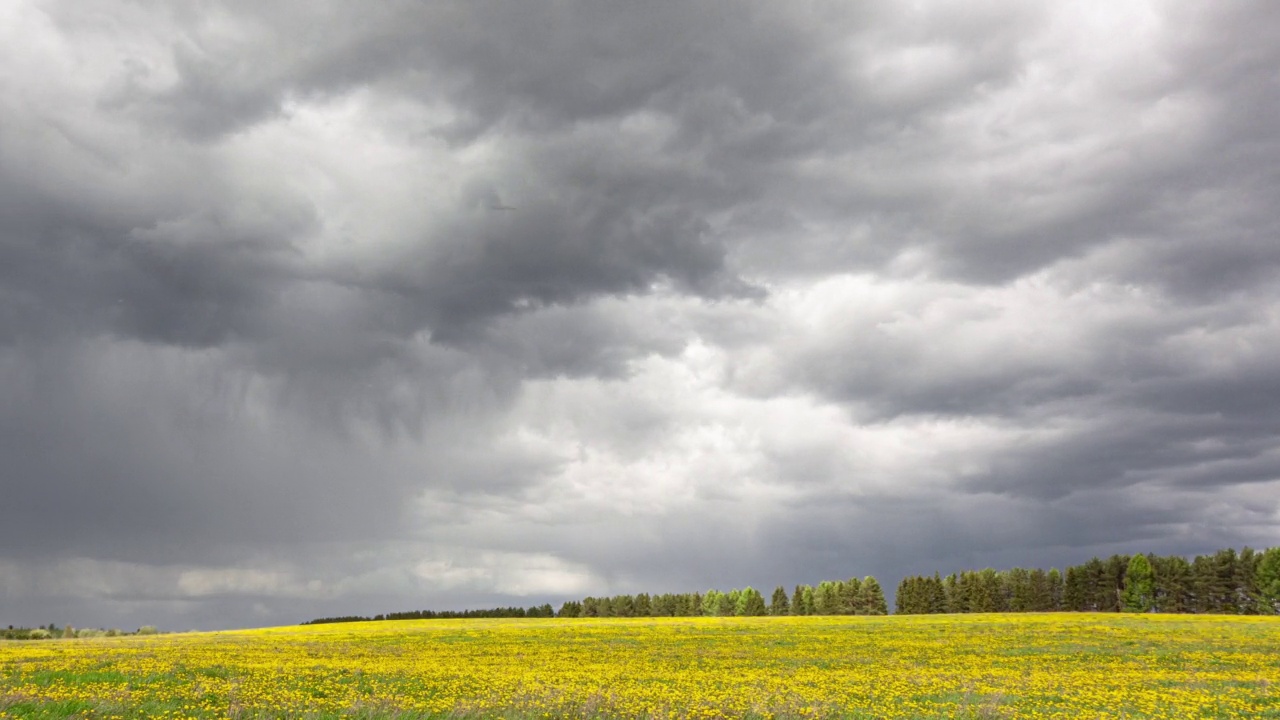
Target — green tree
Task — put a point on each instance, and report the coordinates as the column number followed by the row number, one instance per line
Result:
column 872, row 597
column 727, row 603
column 1226, row 571
column 751, row 603
column 778, row 604
column 1073, row 590
column 1247, row 581
column 807, row 601
column 826, row 599
column 1117, row 566
column 849, row 596
column 624, row 606
column 903, row 599
column 950, row 588
column 732, row 602
column 1139, row 585
column 1041, row 596
column 1018, row 581
column 711, row 602
column 1268, row 581
column 937, row 594
column 1055, row 589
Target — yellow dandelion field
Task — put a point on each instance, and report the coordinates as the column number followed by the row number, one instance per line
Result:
column 978, row 666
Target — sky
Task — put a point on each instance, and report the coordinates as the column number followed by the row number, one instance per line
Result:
column 327, row 308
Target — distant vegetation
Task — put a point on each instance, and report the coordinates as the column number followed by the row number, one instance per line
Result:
column 1226, row 582
column 830, row 597
column 53, row 632
column 503, row 612
column 1229, row 582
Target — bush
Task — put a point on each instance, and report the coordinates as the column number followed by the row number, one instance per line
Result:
column 39, row 634
column 148, row 630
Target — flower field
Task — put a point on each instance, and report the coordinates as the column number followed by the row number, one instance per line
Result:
column 976, row 666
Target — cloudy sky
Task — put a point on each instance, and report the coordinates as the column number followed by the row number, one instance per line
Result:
column 314, row 308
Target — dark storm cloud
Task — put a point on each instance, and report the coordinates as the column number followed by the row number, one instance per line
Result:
column 318, row 308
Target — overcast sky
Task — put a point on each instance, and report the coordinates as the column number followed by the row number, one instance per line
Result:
column 316, row 308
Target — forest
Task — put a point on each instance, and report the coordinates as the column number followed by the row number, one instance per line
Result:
column 1226, row 582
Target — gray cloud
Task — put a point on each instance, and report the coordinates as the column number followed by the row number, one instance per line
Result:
column 312, row 309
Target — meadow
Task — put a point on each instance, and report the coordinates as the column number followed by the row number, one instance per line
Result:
column 1058, row 665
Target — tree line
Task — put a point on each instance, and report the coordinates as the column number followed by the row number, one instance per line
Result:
column 830, row 597
column 536, row 611
column 1229, row 582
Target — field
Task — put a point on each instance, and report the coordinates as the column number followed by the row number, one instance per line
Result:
column 970, row 666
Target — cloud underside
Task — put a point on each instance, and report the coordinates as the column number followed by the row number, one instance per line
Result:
column 332, row 309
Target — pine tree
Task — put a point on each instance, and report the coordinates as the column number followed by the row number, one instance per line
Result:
column 1226, row 572
column 1109, row 600
column 797, row 601
column 1139, row 585
column 1019, row 584
column 1073, row 590
column 1246, row 581
column 1203, row 583
column 937, row 595
column 872, row 597
column 778, row 604
column 987, row 591
column 902, row 601
column 849, row 596
column 660, row 605
column 1099, row 594
column 950, row 589
column 1178, row 588
column 1055, row 589
column 1040, row 598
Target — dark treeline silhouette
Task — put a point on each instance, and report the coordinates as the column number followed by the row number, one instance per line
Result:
column 1230, row 582
column 504, row 612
